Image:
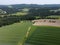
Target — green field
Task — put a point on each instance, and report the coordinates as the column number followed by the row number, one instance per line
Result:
column 23, row 12
column 44, row 35
column 13, row 34
column 20, row 13
column 54, row 16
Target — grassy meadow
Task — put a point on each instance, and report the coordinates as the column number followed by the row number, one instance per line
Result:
column 13, row 34
column 54, row 16
column 20, row 13
column 44, row 35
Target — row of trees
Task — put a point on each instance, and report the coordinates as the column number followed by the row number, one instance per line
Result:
column 10, row 19
column 7, row 20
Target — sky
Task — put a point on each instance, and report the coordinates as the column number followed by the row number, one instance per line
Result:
column 9, row 2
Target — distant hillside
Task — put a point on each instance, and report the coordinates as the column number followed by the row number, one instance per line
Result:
column 30, row 6
column 35, row 5
column 17, row 7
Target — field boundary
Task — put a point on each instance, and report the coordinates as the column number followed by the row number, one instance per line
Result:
column 28, row 31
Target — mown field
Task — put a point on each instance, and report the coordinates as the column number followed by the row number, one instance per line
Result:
column 14, row 34
column 44, row 35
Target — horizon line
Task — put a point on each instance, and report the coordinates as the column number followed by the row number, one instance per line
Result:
column 28, row 4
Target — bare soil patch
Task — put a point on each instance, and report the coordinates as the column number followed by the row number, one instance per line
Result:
column 46, row 22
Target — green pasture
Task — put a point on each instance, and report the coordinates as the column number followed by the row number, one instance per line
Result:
column 55, row 16
column 20, row 13
column 14, row 34
column 44, row 35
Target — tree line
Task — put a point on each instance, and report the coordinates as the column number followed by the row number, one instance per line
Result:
column 10, row 19
column 7, row 20
column 43, row 12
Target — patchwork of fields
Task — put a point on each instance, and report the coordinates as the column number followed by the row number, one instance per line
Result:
column 44, row 35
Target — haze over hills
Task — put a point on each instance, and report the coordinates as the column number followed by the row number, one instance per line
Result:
column 16, row 7
column 31, row 5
